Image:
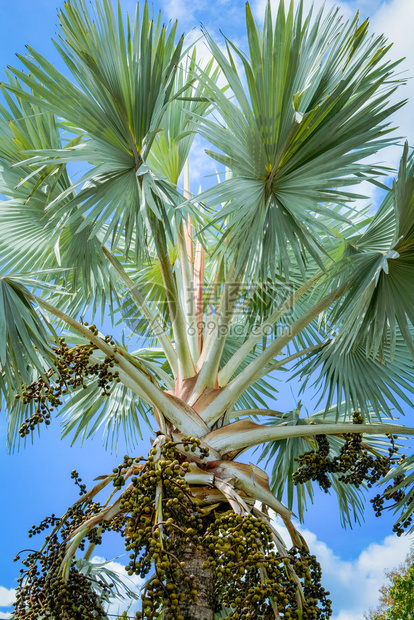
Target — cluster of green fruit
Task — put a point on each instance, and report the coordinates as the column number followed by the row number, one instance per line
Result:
column 71, row 368
column 395, row 495
column 163, row 526
column 251, row 579
column 354, row 464
column 42, row 590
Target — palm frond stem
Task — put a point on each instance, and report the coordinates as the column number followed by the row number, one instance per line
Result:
column 294, row 356
column 211, row 300
column 249, row 375
column 242, row 435
column 234, row 362
column 187, row 273
column 176, row 411
column 186, row 367
column 214, row 344
column 153, row 321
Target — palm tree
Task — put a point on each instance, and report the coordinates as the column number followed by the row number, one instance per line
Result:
column 274, row 271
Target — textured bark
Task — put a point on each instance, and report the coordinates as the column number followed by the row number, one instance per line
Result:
column 202, row 608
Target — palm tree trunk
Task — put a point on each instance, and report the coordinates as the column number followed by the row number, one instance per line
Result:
column 202, row 608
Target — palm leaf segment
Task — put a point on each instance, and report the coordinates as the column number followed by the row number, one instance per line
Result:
column 316, row 104
column 368, row 363
column 380, row 262
column 24, row 339
column 124, row 81
column 72, row 261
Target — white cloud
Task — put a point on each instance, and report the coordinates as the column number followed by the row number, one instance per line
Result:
column 354, row 584
column 6, row 600
column 181, row 10
column 395, row 20
column 6, row 596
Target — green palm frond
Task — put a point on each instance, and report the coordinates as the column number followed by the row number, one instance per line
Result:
column 148, row 279
column 316, row 105
column 88, row 411
column 124, row 81
column 91, row 282
column 30, row 239
column 379, row 266
column 99, row 573
column 24, row 339
column 172, row 144
column 372, row 386
column 17, row 412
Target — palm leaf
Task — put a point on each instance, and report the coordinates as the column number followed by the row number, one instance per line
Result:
column 379, row 267
column 87, row 411
column 172, row 144
column 372, row 386
column 124, row 80
column 316, row 105
column 24, row 338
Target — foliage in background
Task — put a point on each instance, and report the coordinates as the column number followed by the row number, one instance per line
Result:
column 397, row 597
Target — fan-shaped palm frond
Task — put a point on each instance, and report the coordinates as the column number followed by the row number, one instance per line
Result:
column 88, row 411
column 30, row 239
column 24, row 338
column 362, row 383
column 125, row 80
column 316, row 104
column 379, row 265
column 172, row 144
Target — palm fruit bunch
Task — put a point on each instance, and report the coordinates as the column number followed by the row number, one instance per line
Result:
column 252, row 579
column 354, row 464
column 43, row 590
column 315, row 465
column 397, row 496
column 163, row 527
column 71, row 369
column 162, row 524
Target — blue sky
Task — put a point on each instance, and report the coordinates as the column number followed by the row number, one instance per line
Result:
column 36, row 480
